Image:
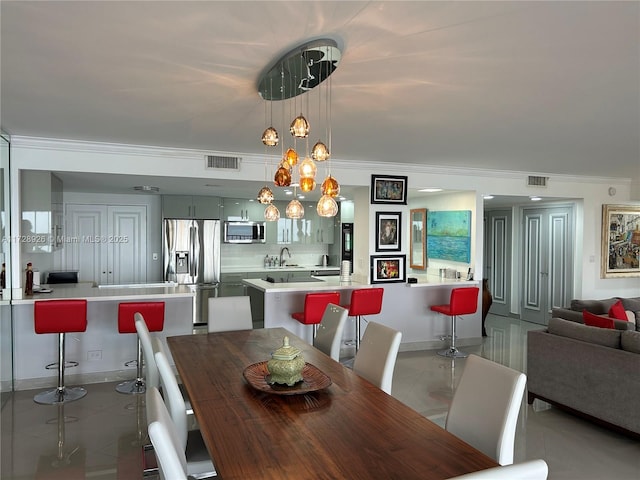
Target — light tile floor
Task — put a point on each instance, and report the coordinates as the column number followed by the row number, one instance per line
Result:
column 102, row 435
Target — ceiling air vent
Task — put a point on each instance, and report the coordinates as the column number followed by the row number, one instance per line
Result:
column 225, row 163
column 533, row 181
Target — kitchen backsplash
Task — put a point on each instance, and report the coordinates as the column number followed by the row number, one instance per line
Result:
column 252, row 255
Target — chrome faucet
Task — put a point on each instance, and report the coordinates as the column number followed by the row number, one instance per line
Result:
column 281, row 252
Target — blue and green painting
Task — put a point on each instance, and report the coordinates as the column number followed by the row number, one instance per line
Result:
column 449, row 235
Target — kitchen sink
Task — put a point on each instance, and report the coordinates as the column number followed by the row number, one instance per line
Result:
column 289, row 279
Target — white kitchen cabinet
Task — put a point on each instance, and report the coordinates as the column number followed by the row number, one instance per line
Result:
column 191, row 206
column 311, row 229
column 41, row 206
column 107, row 244
column 242, row 209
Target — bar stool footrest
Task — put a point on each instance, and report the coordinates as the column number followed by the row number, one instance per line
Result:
column 55, row 365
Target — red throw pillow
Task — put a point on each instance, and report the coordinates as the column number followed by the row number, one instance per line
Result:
column 594, row 320
column 617, row 311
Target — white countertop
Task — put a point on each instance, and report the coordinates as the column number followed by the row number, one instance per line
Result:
column 334, row 283
column 95, row 294
column 286, row 268
column 327, row 283
column 435, row 280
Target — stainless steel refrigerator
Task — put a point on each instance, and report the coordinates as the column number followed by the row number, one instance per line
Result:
column 191, row 256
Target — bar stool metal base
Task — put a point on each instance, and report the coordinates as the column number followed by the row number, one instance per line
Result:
column 132, row 387
column 60, row 395
column 452, row 352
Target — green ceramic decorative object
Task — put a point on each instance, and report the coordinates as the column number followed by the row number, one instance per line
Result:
column 286, row 364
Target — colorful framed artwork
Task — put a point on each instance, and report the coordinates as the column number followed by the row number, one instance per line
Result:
column 449, row 235
column 388, row 231
column 389, row 189
column 620, row 241
column 388, row 268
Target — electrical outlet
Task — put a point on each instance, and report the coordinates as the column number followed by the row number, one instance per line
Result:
column 94, row 355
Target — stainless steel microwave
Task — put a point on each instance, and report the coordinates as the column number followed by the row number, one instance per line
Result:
column 244, row 232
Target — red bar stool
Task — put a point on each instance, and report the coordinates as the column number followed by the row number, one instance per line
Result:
column 61, row 317
column 364, row 301
column 463, row 301
column 314, row 306
column 153, row 314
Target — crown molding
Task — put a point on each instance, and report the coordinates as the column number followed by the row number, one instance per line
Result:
column 258, row 160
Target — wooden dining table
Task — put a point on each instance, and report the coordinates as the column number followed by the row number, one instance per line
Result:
column 349, row 430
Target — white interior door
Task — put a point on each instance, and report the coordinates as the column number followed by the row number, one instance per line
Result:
column 86, row 225
column 547, row 261
column 497, row 258
column 127, row 244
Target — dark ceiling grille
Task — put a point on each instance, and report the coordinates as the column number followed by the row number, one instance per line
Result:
column 219, row 162
column 534, row 181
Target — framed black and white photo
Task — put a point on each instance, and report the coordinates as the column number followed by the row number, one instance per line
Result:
column 389, row 189
column 388, row 268
column 388, row 231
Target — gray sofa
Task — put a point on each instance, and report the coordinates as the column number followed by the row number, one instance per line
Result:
column 590, row 371
column 601, row 307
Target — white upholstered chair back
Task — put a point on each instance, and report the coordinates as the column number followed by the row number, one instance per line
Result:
column 328, row 337
column 377, row 355
column 173, row 398
column 172, row 462
column 485, row 406
column 229, row 313
column 152, row 377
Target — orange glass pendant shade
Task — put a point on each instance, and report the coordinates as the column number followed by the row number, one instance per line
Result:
column 327, row 206
column 320, row 152
column 330, row 187
column 295, row 209
column 271, row 213
column 282, row 177
column 307, row 184
column 299, row 127
column 291, row 156
column 270, row 137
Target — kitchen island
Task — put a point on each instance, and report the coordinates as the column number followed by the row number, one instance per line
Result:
column 405, row 307
column 100, row 351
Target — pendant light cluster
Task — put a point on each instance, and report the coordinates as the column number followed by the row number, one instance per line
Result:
column 296, row 74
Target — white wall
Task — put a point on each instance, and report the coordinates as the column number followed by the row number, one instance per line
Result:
column 43, row 154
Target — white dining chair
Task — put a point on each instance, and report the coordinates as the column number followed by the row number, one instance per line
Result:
column 229, row 313
column 328, row 337
column 485, row 406
column 172, row 462
column 377, row 355
column 528, row 470
column 191, row 442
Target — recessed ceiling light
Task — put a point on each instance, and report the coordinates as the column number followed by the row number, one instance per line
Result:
column 430, row 190
column 487, row 197
column 288, row 192
column 146, row 188
column 534, row 198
